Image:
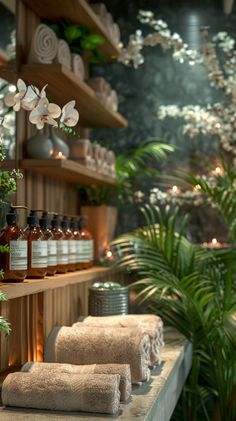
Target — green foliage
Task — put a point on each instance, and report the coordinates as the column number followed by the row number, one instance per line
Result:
column 193, row 289
column 80, row 39
column 221, row 191
column 129, row 166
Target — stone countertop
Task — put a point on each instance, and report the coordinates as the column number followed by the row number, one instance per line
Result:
column 153, row 401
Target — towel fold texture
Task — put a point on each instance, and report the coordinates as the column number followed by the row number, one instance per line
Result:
column 63, row 55
column 149, row 323
column 82, row 345
column 77, row 66
column 63, row 391
column 44, row 45
column 123, row 370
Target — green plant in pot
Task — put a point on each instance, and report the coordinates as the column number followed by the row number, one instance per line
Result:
column 193, row 289
column 80, row 40
column 104, row 202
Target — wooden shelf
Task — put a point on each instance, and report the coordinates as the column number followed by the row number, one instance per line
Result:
column 64, row 85
column 63, row 169
column 76, row 11
column 34, row 286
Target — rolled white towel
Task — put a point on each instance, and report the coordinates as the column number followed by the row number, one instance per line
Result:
column 63, row 55
column 112, row 101
column 99, row 8
column 44, row 45
column 116, row 32
column 77, row 66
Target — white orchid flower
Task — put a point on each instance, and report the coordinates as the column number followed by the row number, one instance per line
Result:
column 44, row 112
column 32, row 97
column 26, row 97
column 14, row 100
column 70, row 115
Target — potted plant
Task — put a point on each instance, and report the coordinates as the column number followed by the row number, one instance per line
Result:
column 102, row 203
column 193, row 289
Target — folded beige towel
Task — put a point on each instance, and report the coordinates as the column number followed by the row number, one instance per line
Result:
column 112, row 101
column 44, row 45
column 122, row 369
column 149, row 323
column 99, row 8
column 82, row 345
column 63, row 391
column 63, row 55
column 77, row 66
column 100, row 85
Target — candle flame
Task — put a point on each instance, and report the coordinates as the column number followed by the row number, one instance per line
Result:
column 214, row 241
column 175, row 189
column 218, row 171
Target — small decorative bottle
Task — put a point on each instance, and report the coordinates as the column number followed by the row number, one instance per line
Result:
column 75, row 229
column 85, row 245
column 37, row 248
column 51, row 244
column 62, row 245
column 68, row 235
column 14, row 262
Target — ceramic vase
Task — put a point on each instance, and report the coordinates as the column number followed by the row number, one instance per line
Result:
column 39, row 146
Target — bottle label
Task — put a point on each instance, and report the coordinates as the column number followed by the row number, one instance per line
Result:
column 72, row 251
column 85, row 251
column 39, row 254
column 62, row 252
column 18, row 255
column 52, row 252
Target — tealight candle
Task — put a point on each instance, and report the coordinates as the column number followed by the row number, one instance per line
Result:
column 214, row 243
column 59, row 155
column 174, row 190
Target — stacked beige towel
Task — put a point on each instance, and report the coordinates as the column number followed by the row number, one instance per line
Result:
column 44, row 45
column 63, row 55
column 149, row 323
column 77, row 65
column 80, row 345
column 107, row 20
column 63, row 391
column 123, row 370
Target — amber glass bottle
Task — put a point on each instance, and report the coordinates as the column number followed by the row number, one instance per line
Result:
column 14, row 262
column 85, row 245
column 75, row 229
column 37, row 248
column 62, row 246
column 69, row 228
column 51, row 244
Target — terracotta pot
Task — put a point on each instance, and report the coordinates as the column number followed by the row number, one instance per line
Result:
column 101, row 223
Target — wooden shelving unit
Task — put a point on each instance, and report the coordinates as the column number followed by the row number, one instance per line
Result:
column 61, row 169
column 76, row 11
column 35, row 286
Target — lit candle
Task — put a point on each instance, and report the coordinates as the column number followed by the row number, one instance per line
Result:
column 174, row 190
column 59, row 155
column 218, row 170
column 214, row 243
column 197, row 187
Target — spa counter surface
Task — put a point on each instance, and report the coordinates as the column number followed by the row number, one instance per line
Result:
column 154, row 401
